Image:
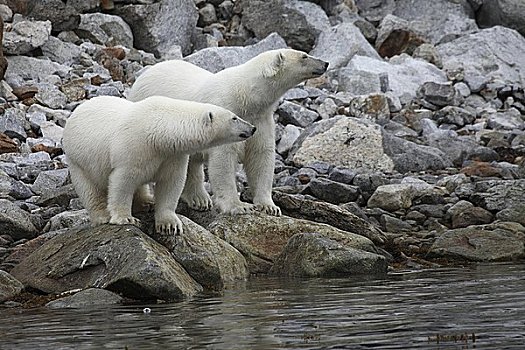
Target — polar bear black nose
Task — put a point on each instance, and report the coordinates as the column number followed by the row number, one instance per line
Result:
column 254, row 129
column 326, row 65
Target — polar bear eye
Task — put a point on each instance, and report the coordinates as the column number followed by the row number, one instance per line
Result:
column 305, row 57
column 234, row 118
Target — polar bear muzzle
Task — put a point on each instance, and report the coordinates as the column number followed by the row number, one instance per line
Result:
column 247, row 134
column 321, row 67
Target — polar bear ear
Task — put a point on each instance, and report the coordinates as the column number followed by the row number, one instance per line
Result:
column 274, row 66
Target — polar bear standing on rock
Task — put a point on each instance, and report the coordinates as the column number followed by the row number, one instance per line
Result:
column 250, row 90
column 114, row 146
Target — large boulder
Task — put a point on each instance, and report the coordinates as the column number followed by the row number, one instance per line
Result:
column 30, row 68
column 15, row 221
column 298, row 22
column 159, row 26
column 343, row 141
column 118, row 258
column 261, row 238
column 490, row 54
column 508, row 13
column 25, row 36
column 9, row 286
column 105, row 29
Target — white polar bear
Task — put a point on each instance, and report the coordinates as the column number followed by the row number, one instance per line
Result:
column 114, row 146
column 250, row 90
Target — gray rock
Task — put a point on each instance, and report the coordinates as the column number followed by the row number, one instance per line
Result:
column 331, row 191
column 290, row 134
column 121, row 259
column 510, row 119
column 209, row 260
column 31, row 68
column 272, row 234
column 62, row 15
column 25, row 36
column 13, row 188
column 105, row 29
column 61, row 52
column 50, row 96
column 409, row 156
column 394, row 225
column 464, row 214
column 428, row 53
column 327, row 109
column 16, row 222
column 315, row 255
column 338, row 44
column 395, row 36
column 508, row 13
column 404, row 73
column 68, row 219
column 372, row 106
column 60, row 196
column 58, row 116
column 298, row 22
column 90, row 297
column 374, row 11
column 215, row 59
column 342, row 175
column 9, row 286
column 295, row 114
column 516, row 213
column 437, row 94
column 493, row 242
column 454, row 115
column 496, row 195
column 342, row 141
column 355, row 82
column 494, row 53
column 207, row 15
column 159, row 26
column 454, row 146
column 13, row 123
column 451, row 182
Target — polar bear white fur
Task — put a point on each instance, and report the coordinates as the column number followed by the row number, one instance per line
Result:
column 114, row 146
column 250, row 90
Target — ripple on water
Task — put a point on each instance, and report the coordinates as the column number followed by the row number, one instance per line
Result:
column 430, row 309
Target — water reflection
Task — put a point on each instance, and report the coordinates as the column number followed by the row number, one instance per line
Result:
column 411, row 309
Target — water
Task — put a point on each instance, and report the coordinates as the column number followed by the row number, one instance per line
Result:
column 405, row 310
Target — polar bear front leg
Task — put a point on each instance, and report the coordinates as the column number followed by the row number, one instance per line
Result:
column 221, row 169
column 259, row 164
column 194, row 193
column 121, row 188
column 169, row 184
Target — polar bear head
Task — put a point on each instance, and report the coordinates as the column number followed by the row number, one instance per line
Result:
column 224, row 126
column 291, row 66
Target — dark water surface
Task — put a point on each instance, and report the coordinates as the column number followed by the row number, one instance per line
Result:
column 475, row 307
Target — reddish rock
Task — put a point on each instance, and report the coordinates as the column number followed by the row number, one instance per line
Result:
column 7, row 145
column 481, row 169
column 3, row 60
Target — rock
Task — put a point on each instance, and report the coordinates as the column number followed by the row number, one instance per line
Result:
column 261, row 238
column 25, row 36
column 13, row 123
column 401, row 196
column 61, row 52
column 496, row 195
column 50, row 179
column 454, row 115
column 516, row 213
column 57, row 196
column 494, row 53
column 3, row 60
column 440, row 95
column 508, row 13
column 13, row 188
column 31, row 68
column 451, row 182
column 290, row 134
column 454, row 146
column 494, row 242
column 338, row 44
column 315, row 255
column 343, row 175
column 374, row 11
column 207, row 15
column 428, row 53
column 408, row 156
column 215, row 59
column 396, row 36
column 209, row 260
column 68, row 219
column 332, row 192
column 356, row 82
column 465, row 214
column 295, row 114
column 404, row 74
column 342, row 141
column 121, row 259
column 16, row 222
column 50, row 96
column 104, row 29
column 299, row 207
column 298, row 22
column 373, row 106
column 507, row 120
column 9, row 286
column 7, row 145
column 159, row 26
column 62, row 15
column 86, row 298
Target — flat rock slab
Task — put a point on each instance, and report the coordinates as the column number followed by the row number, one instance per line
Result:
column 90, row 297
column 119, row 258
column 495, row 242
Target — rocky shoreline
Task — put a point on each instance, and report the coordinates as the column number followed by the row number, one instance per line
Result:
column 408, row 152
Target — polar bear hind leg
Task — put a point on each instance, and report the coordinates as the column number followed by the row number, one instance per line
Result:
column 194, row 193
column 93, row 198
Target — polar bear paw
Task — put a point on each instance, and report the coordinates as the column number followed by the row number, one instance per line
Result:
column 270, row 209
column 124, row 220
column 168, row 224
column 238, row 208
column 200, row 201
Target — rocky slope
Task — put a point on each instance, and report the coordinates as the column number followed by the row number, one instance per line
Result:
column 409, row 150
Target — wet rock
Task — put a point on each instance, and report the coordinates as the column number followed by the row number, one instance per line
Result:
column 338, row 44
column 261, row 249
column 88, row 258
column 396, row 36
column 215, row 59
column 494, row 242
column 298, row 22
column 16, row 222
column 295, row 114
column 86, row 298
column 508, row 13
column 331, row 191
column 9, row 286
column 24, row 36
column 494, row 53
column 299, row 207
column 342, row 141
column 68, row 219
column 105, row 29
column 315, row 255
column 158, row 26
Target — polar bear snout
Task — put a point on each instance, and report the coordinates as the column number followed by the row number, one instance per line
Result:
column 247, row 134
column 322, row 66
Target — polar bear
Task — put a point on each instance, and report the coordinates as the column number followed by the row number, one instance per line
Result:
column 114, row 146
column 250, row 90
